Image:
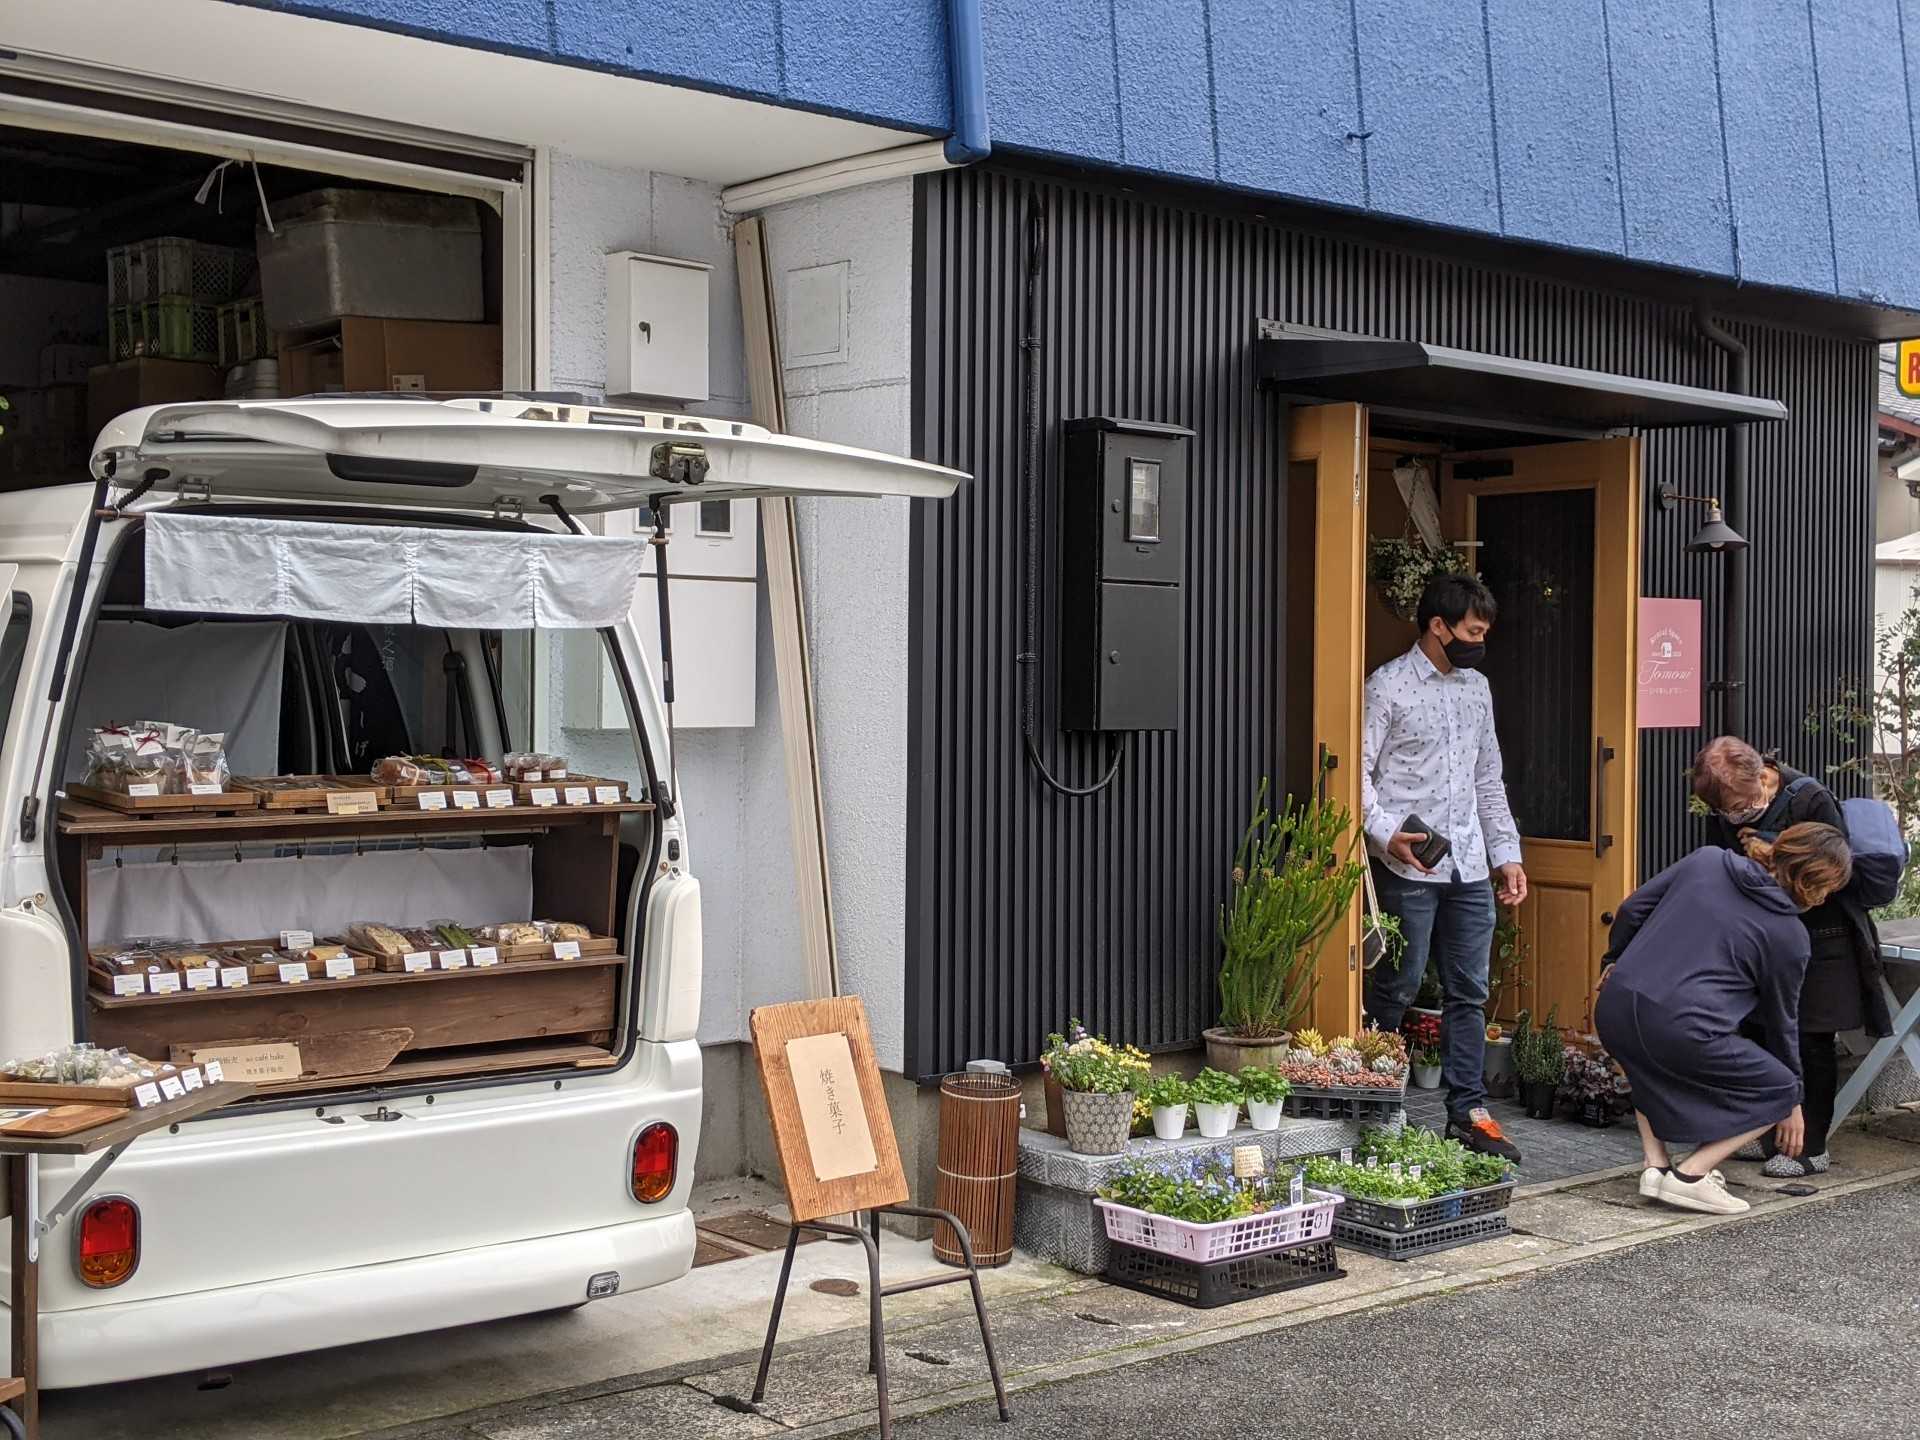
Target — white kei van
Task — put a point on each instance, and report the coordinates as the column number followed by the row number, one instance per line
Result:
column 327, row 582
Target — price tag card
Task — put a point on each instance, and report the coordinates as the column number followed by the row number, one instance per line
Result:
column 147, row 1094
column 165, row 984
column 546, row 795
column 192, row 1078
column 556, row 774
column 1393, row 1168
column 527, row 777
column 467, row 799
column 296, row 939
column 353, row 802
column 203, row 787
column 606, row 794
column 566, row 949
column 484, row 955
column 579, row 795
column 1297, row 1189
column 234, row 977
column 432, row 799
column 205, row 978
column 292, row 972
column 1413, row 1172
column 499, row 799
column 414, row 961
column 1373, row 1162
column 129, row 984
column 340, row 967
column 145, row 789
column 1346, row 1154
column 1248, row 1162
column 453, row 959
column 171, row 1087
column 215, row 1071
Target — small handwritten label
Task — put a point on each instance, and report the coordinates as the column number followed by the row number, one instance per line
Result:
column 253, row 1063
column 292, row 972
column 1413, row 1172
column 606, row 794
column 578, row 795
column 353, row 802
column 1373, row 1162
column 432, row 799
column 204, row 787
column 1248, row 1162
column 215, row 1071
column 129, row 984
column 546, row 795
column 234, row 977
column 453, row 959
column 147, row 1094
column 499, row 799
column 164, row 984
column 143, row 790
column 171, row 1087
column 192, row 1078
column 484, row 955
column 415, row 961
column 529, row 776
column 204, row 978
column 555, row 775
column 1346, row 1154
column 340, row 967
column 466, row 799
column 566, row 949
column 296, row 939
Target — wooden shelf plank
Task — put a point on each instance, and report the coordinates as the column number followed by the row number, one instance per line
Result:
column 274, row 992
column 80, row 818
column 134, row 1124
column 447, row 1067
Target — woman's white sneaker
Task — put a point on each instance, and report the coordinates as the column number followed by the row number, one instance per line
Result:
column 1650, row 1182
column 1708, row 1194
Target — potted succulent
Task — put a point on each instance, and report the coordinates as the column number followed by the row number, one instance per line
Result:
column 1216, row 1102
column 1539, row 1059
column 1263, row 1090
column 1096, row 1091
column 1499, row 1067
column 1426, row 1068
column 1294, row 878
column 1167, row 1094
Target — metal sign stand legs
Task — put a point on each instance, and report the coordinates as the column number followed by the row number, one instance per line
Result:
column 876, row 1334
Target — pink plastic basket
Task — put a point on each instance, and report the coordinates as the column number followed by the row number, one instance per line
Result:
column 1223, row 1239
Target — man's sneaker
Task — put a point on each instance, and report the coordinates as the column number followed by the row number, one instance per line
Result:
column 1753, row 1150
column 1481, row 1132
column 1786, row 1167
column 1708, row 1194
column 1650, row 1182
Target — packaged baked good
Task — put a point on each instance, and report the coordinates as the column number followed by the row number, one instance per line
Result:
column 455, row 937
column 533, row 765
column 378, row 939
column 513, row 932
column 204, row 762
column 562, row 930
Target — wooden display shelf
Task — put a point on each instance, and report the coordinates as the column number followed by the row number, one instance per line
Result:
column 226, row 802
column 419, row 1069
column 80, row 818
column 312, row 793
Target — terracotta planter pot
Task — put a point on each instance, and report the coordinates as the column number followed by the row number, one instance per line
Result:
column 1229, row 1052
column 1056, row 1111
column 1098, row 1124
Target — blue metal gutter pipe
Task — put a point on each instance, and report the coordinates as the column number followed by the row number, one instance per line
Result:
column 971, row 139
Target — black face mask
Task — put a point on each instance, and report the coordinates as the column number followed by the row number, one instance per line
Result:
column 1463, row 656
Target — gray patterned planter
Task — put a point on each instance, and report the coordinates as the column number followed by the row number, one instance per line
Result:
column 1097, row 1124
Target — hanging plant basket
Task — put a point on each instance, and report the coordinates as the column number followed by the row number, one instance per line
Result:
column 1400, row 569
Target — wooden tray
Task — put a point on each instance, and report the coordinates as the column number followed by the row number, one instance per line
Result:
column 227, row 802
column 33, row 1092
column 311, row 792
column 64, row 1120
column 436, row 959
column 452, row 797
column 584, row 788
column 267, row 972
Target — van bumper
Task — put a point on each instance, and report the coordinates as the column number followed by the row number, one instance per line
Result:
column 104, row 1344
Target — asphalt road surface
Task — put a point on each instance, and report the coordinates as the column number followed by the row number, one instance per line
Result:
column 1807, row 1324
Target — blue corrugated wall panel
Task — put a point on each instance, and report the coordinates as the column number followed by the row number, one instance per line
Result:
column 1430, row 154
column 1287, row 108
column 1558, row 170
column 1774, row 154
column 734, row 46
column 1166, row 100
column 1869, row 145
column 521, row 25
column 1050, row 77
column 843, row 54
column 1673, row 175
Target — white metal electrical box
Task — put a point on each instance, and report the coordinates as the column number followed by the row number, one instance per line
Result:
column 656, row 326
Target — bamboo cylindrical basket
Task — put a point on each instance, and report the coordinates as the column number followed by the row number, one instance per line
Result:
column 979, row 1160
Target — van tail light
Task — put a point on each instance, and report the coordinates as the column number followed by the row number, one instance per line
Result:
column 109, row 1241
column 656, row 1161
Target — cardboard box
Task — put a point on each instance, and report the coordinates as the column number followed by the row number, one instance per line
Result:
column 128, row 384
column 385, row 355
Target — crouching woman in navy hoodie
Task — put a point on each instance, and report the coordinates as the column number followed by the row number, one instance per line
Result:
column 1703, row 947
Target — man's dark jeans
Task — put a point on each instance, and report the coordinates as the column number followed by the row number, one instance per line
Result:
column 1452, row 921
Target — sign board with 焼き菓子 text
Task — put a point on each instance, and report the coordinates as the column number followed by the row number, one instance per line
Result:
column 1667, row 664
column 827, row 1107
column 1906, row 374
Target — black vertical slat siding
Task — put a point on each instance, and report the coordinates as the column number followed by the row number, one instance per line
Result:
column 1024, row 908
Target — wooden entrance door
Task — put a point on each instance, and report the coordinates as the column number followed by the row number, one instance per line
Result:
column 1327, row 487
column 1558, row 543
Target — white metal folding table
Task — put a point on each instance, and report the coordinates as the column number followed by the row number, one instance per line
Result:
column 1906, row 1021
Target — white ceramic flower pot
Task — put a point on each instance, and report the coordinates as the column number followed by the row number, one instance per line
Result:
column 1216, row 1121
column 1426, row 1077
column 1263, row 1114
column 1170, row 1121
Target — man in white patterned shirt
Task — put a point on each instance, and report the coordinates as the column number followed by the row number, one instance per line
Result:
column 1428, row 751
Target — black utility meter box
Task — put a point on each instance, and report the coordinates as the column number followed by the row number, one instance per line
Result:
column 1123, row 524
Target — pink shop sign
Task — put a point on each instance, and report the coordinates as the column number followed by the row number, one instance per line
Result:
column 1668, row 664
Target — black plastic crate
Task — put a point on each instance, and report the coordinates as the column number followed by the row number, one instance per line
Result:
column 1379, row 1215
column 1244, row 1277
column 1407, row 1244
column 1357, row 1106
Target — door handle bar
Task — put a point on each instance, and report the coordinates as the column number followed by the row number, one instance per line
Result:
column 1602, row 840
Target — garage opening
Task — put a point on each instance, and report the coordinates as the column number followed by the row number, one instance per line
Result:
column 136, row 274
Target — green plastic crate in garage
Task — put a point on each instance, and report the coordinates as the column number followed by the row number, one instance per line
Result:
column 171, row 329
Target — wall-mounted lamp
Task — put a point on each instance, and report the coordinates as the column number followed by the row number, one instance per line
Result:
column 1716, row 534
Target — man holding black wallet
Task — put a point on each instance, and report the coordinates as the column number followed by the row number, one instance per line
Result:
column 1441, row 836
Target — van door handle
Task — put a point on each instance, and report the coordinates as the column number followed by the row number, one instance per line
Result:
column 1602, row 841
